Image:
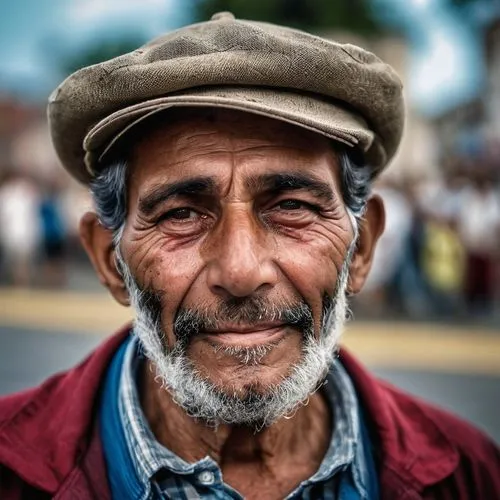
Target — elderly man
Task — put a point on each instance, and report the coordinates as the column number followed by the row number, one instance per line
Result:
column 230, row 164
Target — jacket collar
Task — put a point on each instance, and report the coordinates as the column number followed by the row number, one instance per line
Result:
column 407, row 439
column 45, row 432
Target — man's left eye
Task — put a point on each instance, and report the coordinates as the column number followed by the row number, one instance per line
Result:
column 291, row 205
column 292, row 213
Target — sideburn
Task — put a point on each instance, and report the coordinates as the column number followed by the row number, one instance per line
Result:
column 150, row 301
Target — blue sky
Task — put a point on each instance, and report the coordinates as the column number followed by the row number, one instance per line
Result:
column 445, row 59
column 32, row 31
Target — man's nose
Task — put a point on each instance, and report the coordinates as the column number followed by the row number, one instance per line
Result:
column 241, row 263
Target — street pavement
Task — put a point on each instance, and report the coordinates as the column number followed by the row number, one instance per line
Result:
column 30, row 354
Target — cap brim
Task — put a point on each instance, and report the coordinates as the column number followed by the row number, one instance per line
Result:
column 330, row 118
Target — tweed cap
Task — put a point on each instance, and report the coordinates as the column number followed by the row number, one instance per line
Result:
column 338, row 90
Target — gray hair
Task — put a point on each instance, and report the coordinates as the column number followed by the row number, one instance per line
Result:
column 109, row 191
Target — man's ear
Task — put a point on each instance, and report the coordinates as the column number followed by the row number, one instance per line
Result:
column 98, row 243
column 370, row 230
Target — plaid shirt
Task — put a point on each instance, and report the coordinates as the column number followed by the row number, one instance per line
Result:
column 162, row 474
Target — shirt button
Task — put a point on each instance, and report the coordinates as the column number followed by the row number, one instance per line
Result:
column 206, row 477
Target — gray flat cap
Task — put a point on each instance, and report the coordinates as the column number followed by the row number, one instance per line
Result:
column 338, row 90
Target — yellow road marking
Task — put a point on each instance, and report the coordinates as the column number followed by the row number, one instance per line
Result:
column 92, row 312
column 388, row 345
column 425, row 346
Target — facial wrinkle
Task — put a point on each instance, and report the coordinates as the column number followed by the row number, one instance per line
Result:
column 202, row 400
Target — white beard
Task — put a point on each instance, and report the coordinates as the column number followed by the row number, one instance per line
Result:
column 200, row 398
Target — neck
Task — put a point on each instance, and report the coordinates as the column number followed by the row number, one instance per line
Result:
column 304, row 437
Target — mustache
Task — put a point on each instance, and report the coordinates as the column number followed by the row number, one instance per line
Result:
column 190, row 322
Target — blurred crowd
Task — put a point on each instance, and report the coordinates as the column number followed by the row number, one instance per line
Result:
column 440, row 254
column 38, row 229
column 438, row 257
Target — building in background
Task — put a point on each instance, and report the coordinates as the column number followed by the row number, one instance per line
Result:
column 15, row 117
column 472, row 129
column 491, row 98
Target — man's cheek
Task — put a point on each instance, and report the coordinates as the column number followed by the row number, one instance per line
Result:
column 331, row 253
column 313, row 269
column 172, row 290
column 170, row 272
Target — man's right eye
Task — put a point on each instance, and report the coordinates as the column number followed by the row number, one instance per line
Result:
column 181, row 214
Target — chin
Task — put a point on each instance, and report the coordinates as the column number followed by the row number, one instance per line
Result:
column 246, row 370
column 226, row 391
column 249, row 380
column 221, row 386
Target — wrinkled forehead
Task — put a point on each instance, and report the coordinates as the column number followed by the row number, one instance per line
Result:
column 192, row 135
column 177, row 126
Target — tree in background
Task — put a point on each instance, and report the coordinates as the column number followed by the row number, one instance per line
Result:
column 356, row 16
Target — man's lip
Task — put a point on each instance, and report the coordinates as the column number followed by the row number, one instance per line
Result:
column 243, row 329
column 247, row 338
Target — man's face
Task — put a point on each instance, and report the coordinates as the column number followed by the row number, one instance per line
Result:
column 236, row 234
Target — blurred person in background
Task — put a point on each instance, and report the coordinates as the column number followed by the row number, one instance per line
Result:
column 443, row 265
column 53, row 235
column 19, row 228
column 442, row 256
column 396, row 285
column 382, row 291
column 409, row 287
column 479, row 227
column 231, row 165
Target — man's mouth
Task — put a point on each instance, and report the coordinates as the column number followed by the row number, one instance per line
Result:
column 246, row 335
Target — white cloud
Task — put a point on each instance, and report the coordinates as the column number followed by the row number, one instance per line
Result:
column 447, row 69
column 420, row 3
column 87, row 20
column 442, row 66
column 88, row 11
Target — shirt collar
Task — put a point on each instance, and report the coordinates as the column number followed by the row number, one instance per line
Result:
column 345, row 452
column 347, row 448
column 149, row 456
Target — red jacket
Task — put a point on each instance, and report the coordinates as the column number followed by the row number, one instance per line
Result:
column 50, row 445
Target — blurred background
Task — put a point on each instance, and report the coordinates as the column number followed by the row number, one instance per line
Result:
column 429, row 317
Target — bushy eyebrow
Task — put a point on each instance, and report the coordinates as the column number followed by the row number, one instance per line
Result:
column 272, row 184
column 280, row 182
column 186, row 188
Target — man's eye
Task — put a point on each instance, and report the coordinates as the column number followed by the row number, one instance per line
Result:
column 184, row 222
column 292, row 205
column 180, row 214
column 292, row 213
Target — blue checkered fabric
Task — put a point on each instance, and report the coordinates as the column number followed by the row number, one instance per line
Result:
column 163, row 474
